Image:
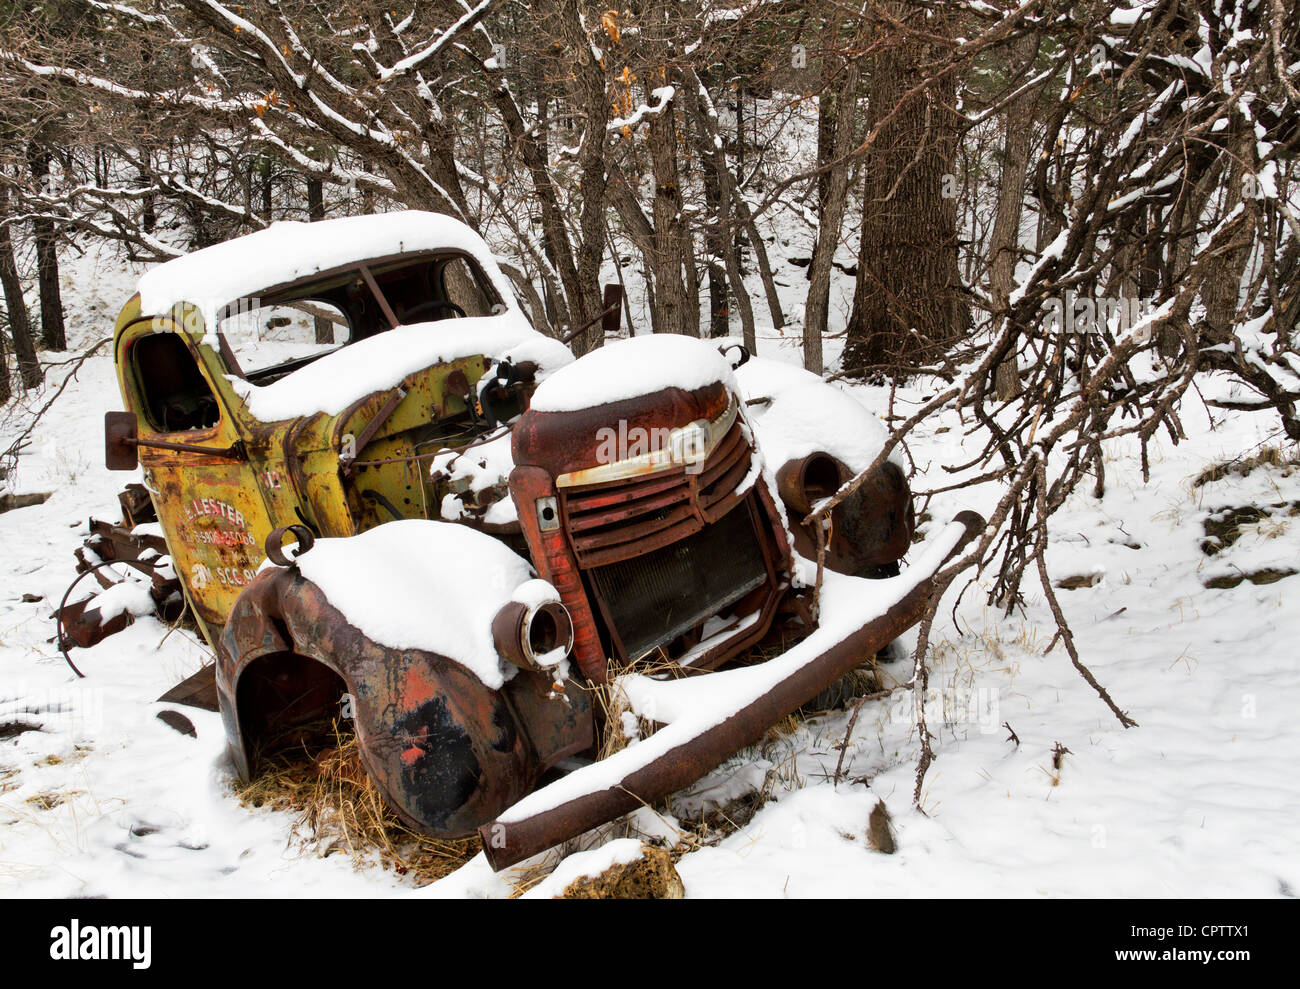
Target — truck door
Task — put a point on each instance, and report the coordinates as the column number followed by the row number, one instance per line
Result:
column 208, row 500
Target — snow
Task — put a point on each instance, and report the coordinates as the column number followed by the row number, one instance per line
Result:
column 130, row 596
column 1200, row 800
column 631, row 368
column 286, row 251
column 620, row 851
column 1127, row 16
column 805, row 414
column 333, row 382
column 385, row 581
column 478, row 468
column 662, row 96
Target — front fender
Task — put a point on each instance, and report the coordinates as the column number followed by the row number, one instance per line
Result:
column 443, row 748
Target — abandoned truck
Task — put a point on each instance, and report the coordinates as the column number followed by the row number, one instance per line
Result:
column 381, row 487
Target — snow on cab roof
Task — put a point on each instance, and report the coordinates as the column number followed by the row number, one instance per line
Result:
column 632, row 368
column 289, row 250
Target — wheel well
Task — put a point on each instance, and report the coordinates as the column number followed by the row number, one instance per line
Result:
column 287, row 701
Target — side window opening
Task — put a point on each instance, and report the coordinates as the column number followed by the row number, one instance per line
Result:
column 449, row 287
column 461, row 284
column 176, row 395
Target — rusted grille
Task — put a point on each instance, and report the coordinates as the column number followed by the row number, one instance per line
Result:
column 608, row 523
column 654, row 598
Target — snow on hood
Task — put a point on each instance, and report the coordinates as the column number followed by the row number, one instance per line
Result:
column 417, row 584
column 632, row 368
column 286, row 251
column 333, row 382
column 805, row 414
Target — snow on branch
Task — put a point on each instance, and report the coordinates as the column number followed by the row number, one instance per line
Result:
column 411, row 62
column 663, row 95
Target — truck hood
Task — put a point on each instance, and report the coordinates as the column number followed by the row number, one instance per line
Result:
column 621, row 401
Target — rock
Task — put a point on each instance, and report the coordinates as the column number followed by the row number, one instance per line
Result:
column 880, row 833
column 178, row 721
column 8, row 502
column 1269, row 575
column 652, row 876
column 1079, row 580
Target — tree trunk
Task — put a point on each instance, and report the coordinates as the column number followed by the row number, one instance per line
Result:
column 1004, row 241
column 907, row 305
column 1221, row 290
column 20, row 329
column 6, row 385
column 764, row 266
column 666, row 214
column 266, row 171
column 836, row 117
column 719, row 313
column 709, row 144
column 746, row 222
column 316, row 211
column 53, row 333
column 148, row 206
column 592, row 231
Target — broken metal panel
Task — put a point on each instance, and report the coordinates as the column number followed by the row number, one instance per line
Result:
column 137, row 506
column 84, row 627
column 557, row 724
column 108, row 544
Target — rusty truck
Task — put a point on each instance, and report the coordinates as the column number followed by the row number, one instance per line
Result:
column 378, row 482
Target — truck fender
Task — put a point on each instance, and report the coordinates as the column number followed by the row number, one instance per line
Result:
column 444, row 749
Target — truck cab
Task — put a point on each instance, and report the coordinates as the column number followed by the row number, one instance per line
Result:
column 317, row 400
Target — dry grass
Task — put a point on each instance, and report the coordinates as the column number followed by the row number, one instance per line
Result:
column 1269, row 456
column 611, row 705
column 52, row 799
column 340, row 810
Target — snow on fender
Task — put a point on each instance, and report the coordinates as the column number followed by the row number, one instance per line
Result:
column 395, row 627
column 436, row 586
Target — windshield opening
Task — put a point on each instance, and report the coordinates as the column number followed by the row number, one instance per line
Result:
column 264, row 339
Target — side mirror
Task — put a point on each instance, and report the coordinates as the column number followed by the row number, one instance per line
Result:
column 612, row 306
column 120, row 433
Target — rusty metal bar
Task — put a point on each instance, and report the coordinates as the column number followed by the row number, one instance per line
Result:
column 382, row 299
column 611, row 302
column 235, row 450
column 508, row 842
column 348, row 464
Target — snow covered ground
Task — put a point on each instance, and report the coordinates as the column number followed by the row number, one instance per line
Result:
column 101, row 798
